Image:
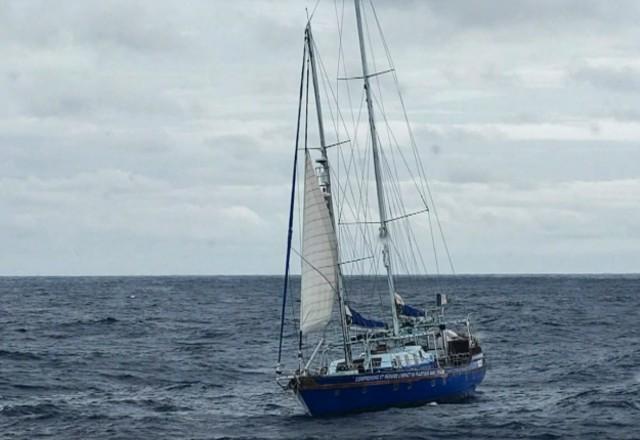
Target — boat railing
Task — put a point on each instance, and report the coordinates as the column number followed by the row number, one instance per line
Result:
column 454, row 360
column 426, row 334
column 427, row 330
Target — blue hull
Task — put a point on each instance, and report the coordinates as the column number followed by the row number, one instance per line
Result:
column 333, row 395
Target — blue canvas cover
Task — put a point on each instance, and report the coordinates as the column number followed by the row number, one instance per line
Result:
column 358, row 320
column 412, row 312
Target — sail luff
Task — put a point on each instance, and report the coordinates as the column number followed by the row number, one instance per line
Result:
column 328, row 195
column 319, row 277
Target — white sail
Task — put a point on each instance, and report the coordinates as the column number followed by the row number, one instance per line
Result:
column 319, row 279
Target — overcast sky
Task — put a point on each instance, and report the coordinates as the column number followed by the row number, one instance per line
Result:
column 153, row 137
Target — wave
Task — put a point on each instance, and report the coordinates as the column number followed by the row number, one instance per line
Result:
column 18, row 355
column 81, row 322
column 161, row 406
column 40, row 410
column 603, row 398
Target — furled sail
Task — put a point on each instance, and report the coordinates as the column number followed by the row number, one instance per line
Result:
column 355, row 319
column 319, row 278
column 407, row 310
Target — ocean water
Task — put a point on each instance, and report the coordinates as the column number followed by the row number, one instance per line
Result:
column 193, row 357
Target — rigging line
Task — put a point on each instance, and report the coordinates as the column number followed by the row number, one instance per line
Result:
column 300, row 203
column 316, row 269
column 394, row 202
column 333, row 94
column 335, row 123
column 363, row 204
column 291, row 209
column 340, row 22
column 354, row 148
column 340, row 26
column 410, row 132
column 380, row 102
column 343, row 188
column 417, row 186
column 325, row 78
column 350, row 165
column 306, row 136
column 409, row 229
column 335, row 6
column 371, row 236
column 393, row 170
column 366, row 241
column 306, row 110
column 342, row 57
column 409, row 232
column 400, row 256
column 413, row 141
column 402, row 156
column 337, row 200
column 309, row 17
column 375, row 263
column 395, row 190
column 327, row 86
column 350, row 207
column 355, row 260
column 338, row 112
column 356, row 201
column 433, row 243
column 411, row 214
column 373, row 57
column 300, row 209
column 335, row 290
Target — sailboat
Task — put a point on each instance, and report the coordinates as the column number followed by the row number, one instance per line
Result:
column 414, row 356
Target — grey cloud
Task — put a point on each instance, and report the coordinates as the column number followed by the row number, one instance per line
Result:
column 623, row 79
column 465, row 15
column 150, row 137
column 625, row 114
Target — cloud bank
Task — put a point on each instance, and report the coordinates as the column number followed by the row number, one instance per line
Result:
column 150, row 137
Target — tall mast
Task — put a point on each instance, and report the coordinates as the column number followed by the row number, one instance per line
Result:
column 326, row 182
column 382, row 207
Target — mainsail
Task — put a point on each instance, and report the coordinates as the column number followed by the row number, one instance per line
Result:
column 319, row 281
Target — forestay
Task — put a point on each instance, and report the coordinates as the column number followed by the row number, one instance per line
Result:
column 319, row 256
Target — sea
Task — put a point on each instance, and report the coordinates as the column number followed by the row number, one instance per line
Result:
column 194, row 358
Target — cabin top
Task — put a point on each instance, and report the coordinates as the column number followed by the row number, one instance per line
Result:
column 401, row 357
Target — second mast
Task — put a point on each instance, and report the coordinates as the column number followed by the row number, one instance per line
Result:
column 382, row 208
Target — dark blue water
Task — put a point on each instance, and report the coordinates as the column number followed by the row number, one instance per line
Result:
column 193, row 357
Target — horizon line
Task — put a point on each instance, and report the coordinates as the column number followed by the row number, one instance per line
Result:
column 186, row 275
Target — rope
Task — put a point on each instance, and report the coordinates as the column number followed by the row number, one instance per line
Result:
column 291, row 206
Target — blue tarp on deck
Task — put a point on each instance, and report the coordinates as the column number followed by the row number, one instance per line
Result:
column 412, row 312
column 358, row 320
